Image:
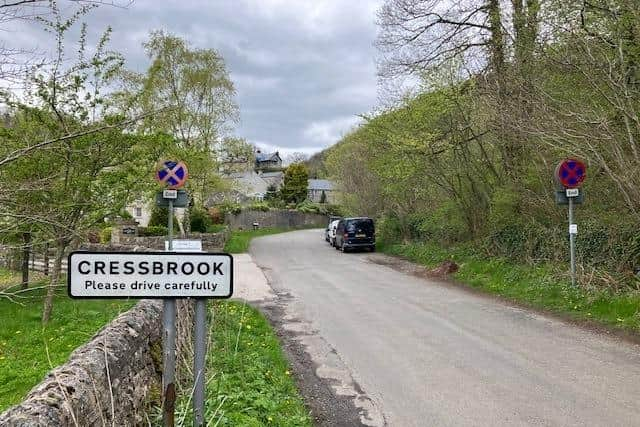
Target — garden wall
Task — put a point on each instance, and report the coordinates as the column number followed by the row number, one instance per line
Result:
column 275, row 218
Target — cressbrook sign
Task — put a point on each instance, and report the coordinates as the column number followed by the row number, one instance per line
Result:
column 150, row 275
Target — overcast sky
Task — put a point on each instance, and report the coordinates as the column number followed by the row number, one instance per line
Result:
column 303, row 69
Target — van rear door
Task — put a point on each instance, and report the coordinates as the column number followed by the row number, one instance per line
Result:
column 360, row 230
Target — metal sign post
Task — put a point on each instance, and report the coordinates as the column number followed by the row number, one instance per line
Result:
column 169, row 344
column 200, row 351
column 572, row 242
column 173, row 175
column 570, row 174
column 199, row 341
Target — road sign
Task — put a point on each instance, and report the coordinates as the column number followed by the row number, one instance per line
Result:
column 172, row 174
column 572, row 192
column 181, row 200
column 571, row 173
column 573, row 228
column 184, row 245
column 149, row 275
column 169, row 194
column 562, row 199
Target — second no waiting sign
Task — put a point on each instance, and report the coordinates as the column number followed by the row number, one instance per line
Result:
column 150, row 275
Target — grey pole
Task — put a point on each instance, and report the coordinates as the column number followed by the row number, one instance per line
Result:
column 572, row 244
column 200, row 347
column 169, row 346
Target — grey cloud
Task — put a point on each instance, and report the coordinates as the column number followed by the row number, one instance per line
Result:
column 303, row 70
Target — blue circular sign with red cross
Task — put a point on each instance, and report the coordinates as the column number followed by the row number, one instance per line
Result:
column 571, row 173
column 172, row 174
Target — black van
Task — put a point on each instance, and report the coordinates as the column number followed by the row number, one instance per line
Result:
column 356, row 233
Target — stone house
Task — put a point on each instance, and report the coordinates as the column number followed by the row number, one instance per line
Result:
column 316, row 187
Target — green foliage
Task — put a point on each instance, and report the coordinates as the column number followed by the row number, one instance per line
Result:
column 160, row 217
column 105, row 235
column 25, row 345
column 124, row 214
column 230, row 208
column 255, row 385
column 153, row 230
column 200, row 220
column 308, row 206
column 540, row 286
column 259, row 206
column 294, row 188
column 216, row 228
column 271, row 194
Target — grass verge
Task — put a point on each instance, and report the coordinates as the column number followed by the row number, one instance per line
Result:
column 240, row 239
column 539, row 286
column 249, row 382
column 24, row 342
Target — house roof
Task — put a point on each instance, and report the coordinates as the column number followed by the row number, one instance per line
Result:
column 277, row 174
column 268, row 157
column 320, row 184
column 249, row 183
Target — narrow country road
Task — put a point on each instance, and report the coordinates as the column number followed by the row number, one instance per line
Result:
column 431, row 354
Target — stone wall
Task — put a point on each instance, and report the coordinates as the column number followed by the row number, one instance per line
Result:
column 115, row 378
column 111, row 380
column 276, row 218
column 211, row 242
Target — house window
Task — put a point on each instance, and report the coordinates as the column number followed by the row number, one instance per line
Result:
column 138, row 212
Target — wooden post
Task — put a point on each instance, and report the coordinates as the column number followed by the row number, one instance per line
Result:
column 26, row 249
column 46, row 259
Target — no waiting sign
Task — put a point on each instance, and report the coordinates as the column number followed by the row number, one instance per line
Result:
column 149, row 275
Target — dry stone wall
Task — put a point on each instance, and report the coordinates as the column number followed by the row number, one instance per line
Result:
column 111, row 380
column 275, row 218
column 115, row 378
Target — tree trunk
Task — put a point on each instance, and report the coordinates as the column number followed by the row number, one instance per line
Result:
column 26, row 249
column 51, row 289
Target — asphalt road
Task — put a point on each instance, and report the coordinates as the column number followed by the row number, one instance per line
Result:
column 431, row 354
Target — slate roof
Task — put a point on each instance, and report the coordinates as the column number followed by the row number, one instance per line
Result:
column 320, row 184
column 249, row 183
column 268, row 157
column 277, row 174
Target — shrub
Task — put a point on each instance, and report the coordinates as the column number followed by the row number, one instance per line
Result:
column 334, row 210
column 216, row 228
column 277, row 203
column 217, row 216
column 105, row 235
column 199, row 220
column 124, row 214
column 160, row 217
column 230, row 208
column 259, row 206
column 153, row 230
column 308, row 206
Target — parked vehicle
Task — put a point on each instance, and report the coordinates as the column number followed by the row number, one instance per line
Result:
column 333, row 225
column 353, row 233
column 327, row 233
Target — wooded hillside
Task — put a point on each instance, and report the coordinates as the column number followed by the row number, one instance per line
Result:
column 508, row 90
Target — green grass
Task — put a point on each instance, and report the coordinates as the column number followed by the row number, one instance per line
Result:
column 240, row 239
column 540, row 286
column 24, row 342
column 249, row 379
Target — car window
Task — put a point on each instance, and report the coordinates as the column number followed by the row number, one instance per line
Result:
column 365, row 225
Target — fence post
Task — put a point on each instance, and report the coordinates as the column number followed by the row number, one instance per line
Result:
column 26, row 247
column 46, row 259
